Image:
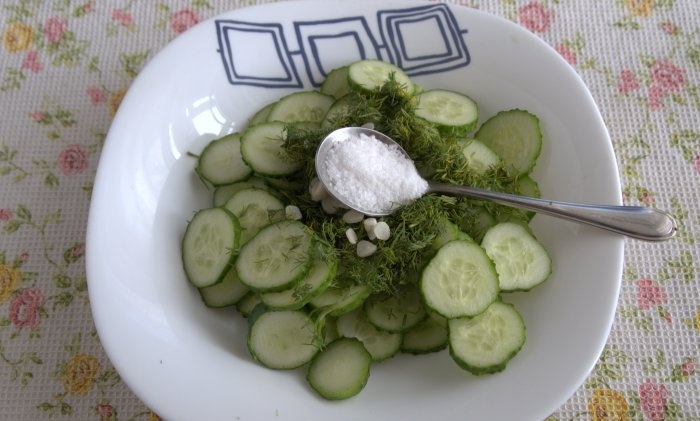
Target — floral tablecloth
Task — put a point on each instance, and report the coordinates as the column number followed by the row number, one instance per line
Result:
column 66, row 64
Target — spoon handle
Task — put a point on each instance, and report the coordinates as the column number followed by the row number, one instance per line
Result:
column 633, row 221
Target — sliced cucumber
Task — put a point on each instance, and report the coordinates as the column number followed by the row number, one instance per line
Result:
column 224, row 193
column 381, row 345
column 336, row 83
column 448, row 110
column 527, row 186
column 480, row 158
column 449, row 231
column 221, row 161
column 484, row 344
column 262, row 150
column 476, row 222
column 337, row 115
column 521, row 261
column 369, row 75
column 247, row 304
column 262, row 114
column 516, row 137
column 282, row 339
column 276, row 258
column 341, row 370
column 316, row 281
column 301, row 106
column 396, row 313
column 430, row 335
column 255, row 208
column 339, row 301
column 460, row 280
column 225, row 293
column 209, row 246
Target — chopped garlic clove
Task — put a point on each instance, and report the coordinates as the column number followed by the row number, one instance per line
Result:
column 292, row 212
column 365, row 248
column 382, row 231
column 330, row 205
column 369, row 225
column 352, row 235
column 353, row 217
column 317, row 190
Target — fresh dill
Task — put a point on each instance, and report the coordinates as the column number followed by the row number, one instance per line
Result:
column 414, row 227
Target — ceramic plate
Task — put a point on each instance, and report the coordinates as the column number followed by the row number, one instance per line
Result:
column 188, row 362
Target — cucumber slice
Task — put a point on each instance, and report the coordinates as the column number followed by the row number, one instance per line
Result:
column 430, row 335
column 209, row 246
column 221, row 163
column 223, row 193
column 255, row 208
column 261, row 115
column 381, row 345
column 476, row 222
column 341, row 370
column 340, row 300
column 301, row 106
column 448, row 110
column 262, row 150
column 521, row 261
column 336, row 83
column 484, row 344
column 460, row 280
column 396, row 313
column 320, row 275
column 516, row 137
column 225, row 293
column 480, row 158
column 527, row 186
column 276, row 258
column 449, row 231
column 247, row 304
column 282, row 339
column 337, row 115
column 369, row 75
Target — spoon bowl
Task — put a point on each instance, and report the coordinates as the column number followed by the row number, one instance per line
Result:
column 637, row 222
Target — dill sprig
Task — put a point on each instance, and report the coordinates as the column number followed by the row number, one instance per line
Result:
column 414, row 227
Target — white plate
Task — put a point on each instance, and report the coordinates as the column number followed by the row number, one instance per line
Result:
column 188, row 362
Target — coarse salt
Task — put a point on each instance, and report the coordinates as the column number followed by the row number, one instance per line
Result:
column 371, row 175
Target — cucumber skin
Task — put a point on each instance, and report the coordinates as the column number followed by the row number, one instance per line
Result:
column 523, row 171
column 292, row 281
column 450, row 130
column 495, row 368
column 259, row 311
column 527, row 229
column 233, row 254
column 352, row 392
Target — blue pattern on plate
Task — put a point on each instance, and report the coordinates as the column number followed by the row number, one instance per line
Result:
column 401, row 40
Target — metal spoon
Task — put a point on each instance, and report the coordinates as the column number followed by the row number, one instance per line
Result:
column 633, row 221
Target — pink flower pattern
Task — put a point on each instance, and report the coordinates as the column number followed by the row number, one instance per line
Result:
column 73, row 160
column 627, row 82
column 54, row 29
column 5, row 214
column 567, row 53
column 182, row 20
column 31, row 62
column 649, row 294
column 122, row 17
column 653, row 397
column 535, row 17
column 97, row 95
column 24, row 308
